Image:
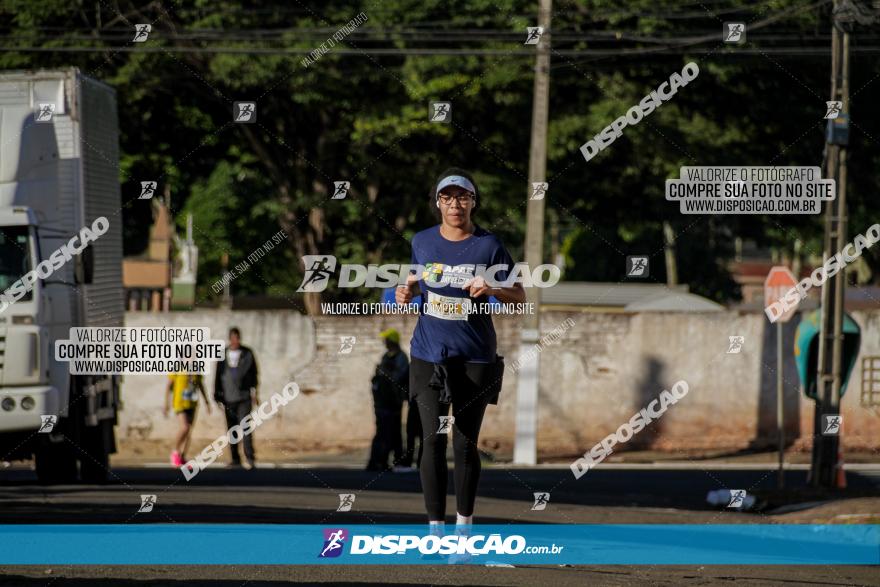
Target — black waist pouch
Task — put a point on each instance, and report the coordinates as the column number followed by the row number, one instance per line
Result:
column 457, row 377
column 496, row 378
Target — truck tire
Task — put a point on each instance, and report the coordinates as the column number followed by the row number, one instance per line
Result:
column 94, row 460
column 55, row 463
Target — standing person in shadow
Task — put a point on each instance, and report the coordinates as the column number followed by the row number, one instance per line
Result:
column 390, row 386
column 235, row 387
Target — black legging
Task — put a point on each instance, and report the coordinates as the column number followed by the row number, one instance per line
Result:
column 468, row 384
column 413, row 431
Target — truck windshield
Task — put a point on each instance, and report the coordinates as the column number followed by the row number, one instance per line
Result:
column 15, row 258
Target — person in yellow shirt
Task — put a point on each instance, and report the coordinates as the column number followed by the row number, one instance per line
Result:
column 184, row 390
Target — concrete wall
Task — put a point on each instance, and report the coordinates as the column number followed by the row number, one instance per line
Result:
column 282, row 341
column 595, row 377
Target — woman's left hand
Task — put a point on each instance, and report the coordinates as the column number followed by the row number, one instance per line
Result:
column 476, row 287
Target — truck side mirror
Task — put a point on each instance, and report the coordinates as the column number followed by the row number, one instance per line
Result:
column 84, row 269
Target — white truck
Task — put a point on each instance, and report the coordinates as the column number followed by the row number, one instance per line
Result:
column 59, row 171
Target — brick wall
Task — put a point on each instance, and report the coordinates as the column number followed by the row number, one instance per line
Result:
column 598, row 374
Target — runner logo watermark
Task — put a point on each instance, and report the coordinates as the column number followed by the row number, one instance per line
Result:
column 734, row 32
column 539, row 190
column 542, row 498
column 244, row 112
column 141, row 32
column 440, row 112
column 44, row 112
column 147, row 503
column 346, row 344
column 47, row 423
column 737, row 498
column 832, row 109
column 446, row 423
column 735, row 344
column 831, row 424
column 334, row 540
column 533, row 35
column 637, row 267
column 340, row 190
column 346, row 500
column 823, row 273
column 645, row 107
column 627, row 430
column 319, row 268
column 54, row 262
column 148, row 189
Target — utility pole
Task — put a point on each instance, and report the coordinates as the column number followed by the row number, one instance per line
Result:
column 825, row 448
column 671, row 266
column 525, row 449
column 226, row 300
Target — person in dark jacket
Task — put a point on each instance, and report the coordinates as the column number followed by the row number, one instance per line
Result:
column 235, row 387
column 390, row 388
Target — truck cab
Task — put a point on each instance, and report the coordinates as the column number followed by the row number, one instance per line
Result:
column 57, row 176
column 25, row 327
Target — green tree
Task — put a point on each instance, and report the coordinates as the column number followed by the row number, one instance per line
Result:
column 361, row 116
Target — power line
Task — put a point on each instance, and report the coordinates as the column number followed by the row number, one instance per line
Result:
column 700, row 10
column 872, row 49
column 676, row 45
column 428, row 36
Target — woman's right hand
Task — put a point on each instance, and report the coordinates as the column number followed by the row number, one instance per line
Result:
column 404, row 293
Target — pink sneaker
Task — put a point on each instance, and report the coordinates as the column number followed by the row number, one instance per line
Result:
column 176, row 459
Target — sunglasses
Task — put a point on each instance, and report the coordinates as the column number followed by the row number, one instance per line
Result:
column 462, row 199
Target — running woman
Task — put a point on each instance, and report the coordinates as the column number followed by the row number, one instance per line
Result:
column 453, row 358
column 184, row 390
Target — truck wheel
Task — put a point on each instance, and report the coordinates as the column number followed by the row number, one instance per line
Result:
column 94, row 461
column 55, row 464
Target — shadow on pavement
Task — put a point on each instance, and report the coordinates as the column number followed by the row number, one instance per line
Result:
column 16, row 580
column 310, row 496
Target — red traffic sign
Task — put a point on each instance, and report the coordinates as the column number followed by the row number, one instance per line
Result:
column 779, row 281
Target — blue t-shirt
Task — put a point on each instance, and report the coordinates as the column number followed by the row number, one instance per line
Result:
column 445, row 328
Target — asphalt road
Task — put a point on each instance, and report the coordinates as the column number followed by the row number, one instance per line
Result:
column 265, row 576
column 310, row 496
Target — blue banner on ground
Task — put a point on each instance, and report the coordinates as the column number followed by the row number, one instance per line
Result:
column 581, row 544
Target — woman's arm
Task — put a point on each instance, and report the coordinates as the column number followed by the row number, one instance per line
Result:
column 515, row 294
column 506, row 295
column 405, row 293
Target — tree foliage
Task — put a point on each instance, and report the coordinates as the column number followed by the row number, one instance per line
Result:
column 362, row 117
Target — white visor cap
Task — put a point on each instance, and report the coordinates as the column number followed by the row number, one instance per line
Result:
column 456, row 180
